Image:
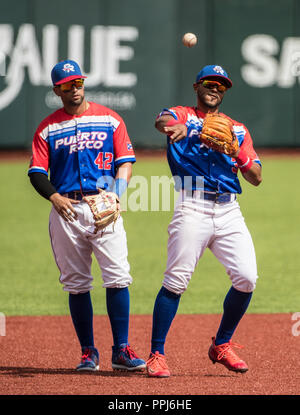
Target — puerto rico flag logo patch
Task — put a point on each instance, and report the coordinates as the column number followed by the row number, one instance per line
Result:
column 68, row 68
column 219, row 69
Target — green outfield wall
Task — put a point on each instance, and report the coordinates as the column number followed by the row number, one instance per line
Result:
column 132, row 53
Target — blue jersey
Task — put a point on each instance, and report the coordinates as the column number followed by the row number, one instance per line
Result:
column 81, row 152
column 197, row 167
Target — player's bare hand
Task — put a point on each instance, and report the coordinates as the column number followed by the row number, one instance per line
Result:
column 176, row 132
column 64, row 206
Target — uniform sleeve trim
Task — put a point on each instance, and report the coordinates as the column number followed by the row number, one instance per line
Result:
column 166, row 111
column 37, row 169
column 125, row 159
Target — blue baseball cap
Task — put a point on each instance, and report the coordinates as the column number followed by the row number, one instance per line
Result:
column 65, row 71
column 214, row 71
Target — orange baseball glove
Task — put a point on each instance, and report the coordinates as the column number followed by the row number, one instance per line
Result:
column 217, row 133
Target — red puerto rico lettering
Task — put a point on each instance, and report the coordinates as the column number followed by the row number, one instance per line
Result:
column 104, row 160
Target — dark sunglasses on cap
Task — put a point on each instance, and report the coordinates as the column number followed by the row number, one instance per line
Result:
column 212, row 84
column 67, row 86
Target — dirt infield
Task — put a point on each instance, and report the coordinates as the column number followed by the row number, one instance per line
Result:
column 39, row 354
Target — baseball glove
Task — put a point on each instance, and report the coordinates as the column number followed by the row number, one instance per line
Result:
column 105, row 208
column 217, row 133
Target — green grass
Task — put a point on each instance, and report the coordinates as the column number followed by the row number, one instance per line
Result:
column 29, row 278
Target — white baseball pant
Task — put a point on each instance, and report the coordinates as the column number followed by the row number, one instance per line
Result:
column 73, row 244
column 198, row 224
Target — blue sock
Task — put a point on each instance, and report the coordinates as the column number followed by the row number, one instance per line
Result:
column 235, row 305
column 117, row 304
column 81, row 310
column 165, row 309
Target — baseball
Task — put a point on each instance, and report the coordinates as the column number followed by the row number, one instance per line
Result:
column 189, row 40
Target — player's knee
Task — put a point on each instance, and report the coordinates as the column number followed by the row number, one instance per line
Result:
column 174, row 289
column 77, row 289
column 176, row 285
column 116, row 281
column 116, row 285
column 245, row 282
column 76, row 283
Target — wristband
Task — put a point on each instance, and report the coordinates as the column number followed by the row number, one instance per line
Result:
column 120, row 186
column 244, row 162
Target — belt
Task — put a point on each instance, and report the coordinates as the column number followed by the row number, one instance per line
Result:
column 214, row 197
column 77, row 194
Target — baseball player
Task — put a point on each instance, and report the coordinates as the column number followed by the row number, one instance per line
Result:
column 207, row 215
column 85, row 146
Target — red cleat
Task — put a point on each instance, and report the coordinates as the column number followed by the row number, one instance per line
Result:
column 226, row 356
column 157, row 366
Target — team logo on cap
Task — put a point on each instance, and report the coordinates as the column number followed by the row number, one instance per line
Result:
column 218, row 69
column 68, row 67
